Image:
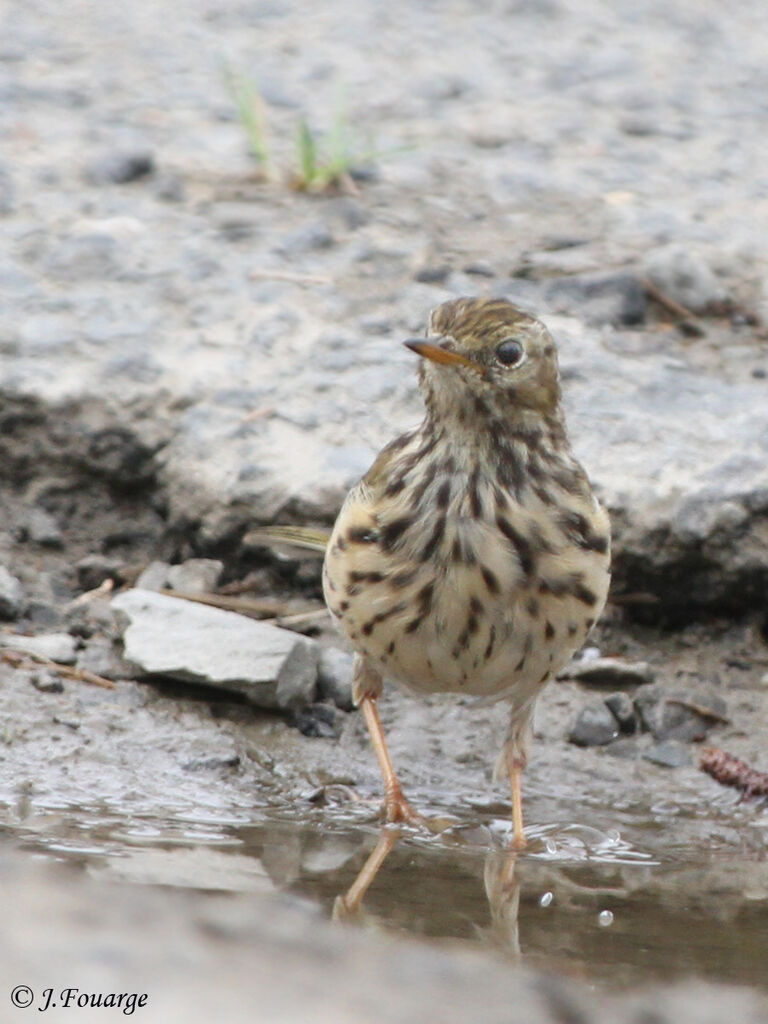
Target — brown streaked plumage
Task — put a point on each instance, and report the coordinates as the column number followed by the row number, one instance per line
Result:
column 473, row 556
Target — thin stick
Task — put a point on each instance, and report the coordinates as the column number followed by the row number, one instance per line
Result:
column 299, row 617
column 244, row 605
column 288, row 275
column 715, row 716
column 673, row 307
column 104, row 588
column 16, row 658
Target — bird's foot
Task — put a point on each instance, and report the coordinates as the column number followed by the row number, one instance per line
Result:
column 397, row 809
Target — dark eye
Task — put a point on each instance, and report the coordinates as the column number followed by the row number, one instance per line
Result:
column 509, row 352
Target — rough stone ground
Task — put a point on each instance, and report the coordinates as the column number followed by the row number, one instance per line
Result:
column 163, row 389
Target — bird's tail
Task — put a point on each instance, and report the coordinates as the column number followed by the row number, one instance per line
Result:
column 309, row 538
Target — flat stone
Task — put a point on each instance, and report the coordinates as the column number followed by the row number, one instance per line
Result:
column 11, row 595
column 608, row 672
column 679, row 714
column 178, row 639
column 595, row 726
column 60, row 647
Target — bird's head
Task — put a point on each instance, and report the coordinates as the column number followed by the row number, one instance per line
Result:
column 488, row 354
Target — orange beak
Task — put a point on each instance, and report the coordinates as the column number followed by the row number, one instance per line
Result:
column 437, row 354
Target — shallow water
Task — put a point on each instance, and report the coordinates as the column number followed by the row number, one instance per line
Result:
column 614, row 906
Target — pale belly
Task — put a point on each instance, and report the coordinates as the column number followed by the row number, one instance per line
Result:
column 446, row 631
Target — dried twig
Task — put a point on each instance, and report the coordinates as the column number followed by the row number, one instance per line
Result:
column 264, row 608
column 291, row 276
column 673, row 307
column 18, row 658
column 699, row 709
column 103, row 590
column 730, row 771
column 293, row 620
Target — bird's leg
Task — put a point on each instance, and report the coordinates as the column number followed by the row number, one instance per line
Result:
column 365, row 692
column 515, row 779
column 514, row 758
column 397, row 807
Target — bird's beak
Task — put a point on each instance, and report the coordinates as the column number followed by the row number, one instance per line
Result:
column 438, row 354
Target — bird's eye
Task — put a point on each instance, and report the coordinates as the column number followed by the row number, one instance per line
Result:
column 509, row 352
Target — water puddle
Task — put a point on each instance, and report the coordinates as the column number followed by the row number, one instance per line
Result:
column 614, row 906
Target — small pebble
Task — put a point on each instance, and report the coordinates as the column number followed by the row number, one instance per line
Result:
column 11, row 595
column 47, row 682
column 669, row 754
column 623, row 710
column 39, row 527
column 195, row 576
column 605, row 918
column 545, row 899
column 432, row 275
column 594, row 727
column 120, row 168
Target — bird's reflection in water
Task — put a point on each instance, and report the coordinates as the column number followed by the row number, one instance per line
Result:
column 500, row 878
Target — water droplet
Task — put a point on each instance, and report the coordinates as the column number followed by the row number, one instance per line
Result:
column 546, row 899
column 605, row 918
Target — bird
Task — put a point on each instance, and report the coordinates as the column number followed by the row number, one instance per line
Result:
column 473, row 557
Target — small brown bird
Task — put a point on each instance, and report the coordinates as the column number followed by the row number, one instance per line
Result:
column 473, row 557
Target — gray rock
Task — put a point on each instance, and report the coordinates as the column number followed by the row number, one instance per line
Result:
column 11, row 595
column 433, row 274
column 40, row 527
column 47, row 681
column 683, row 274
column 623, row 710
column 195, row 576
column 672, row 714
column 60, row 647
column 119, row 168
column 600, row 298
column 595, row 726
column 178, row 639
column 334, row 677
column 608, row 672
column 154, row 577
column 669, row 754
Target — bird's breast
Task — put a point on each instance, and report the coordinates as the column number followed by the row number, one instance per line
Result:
column 453, row 584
